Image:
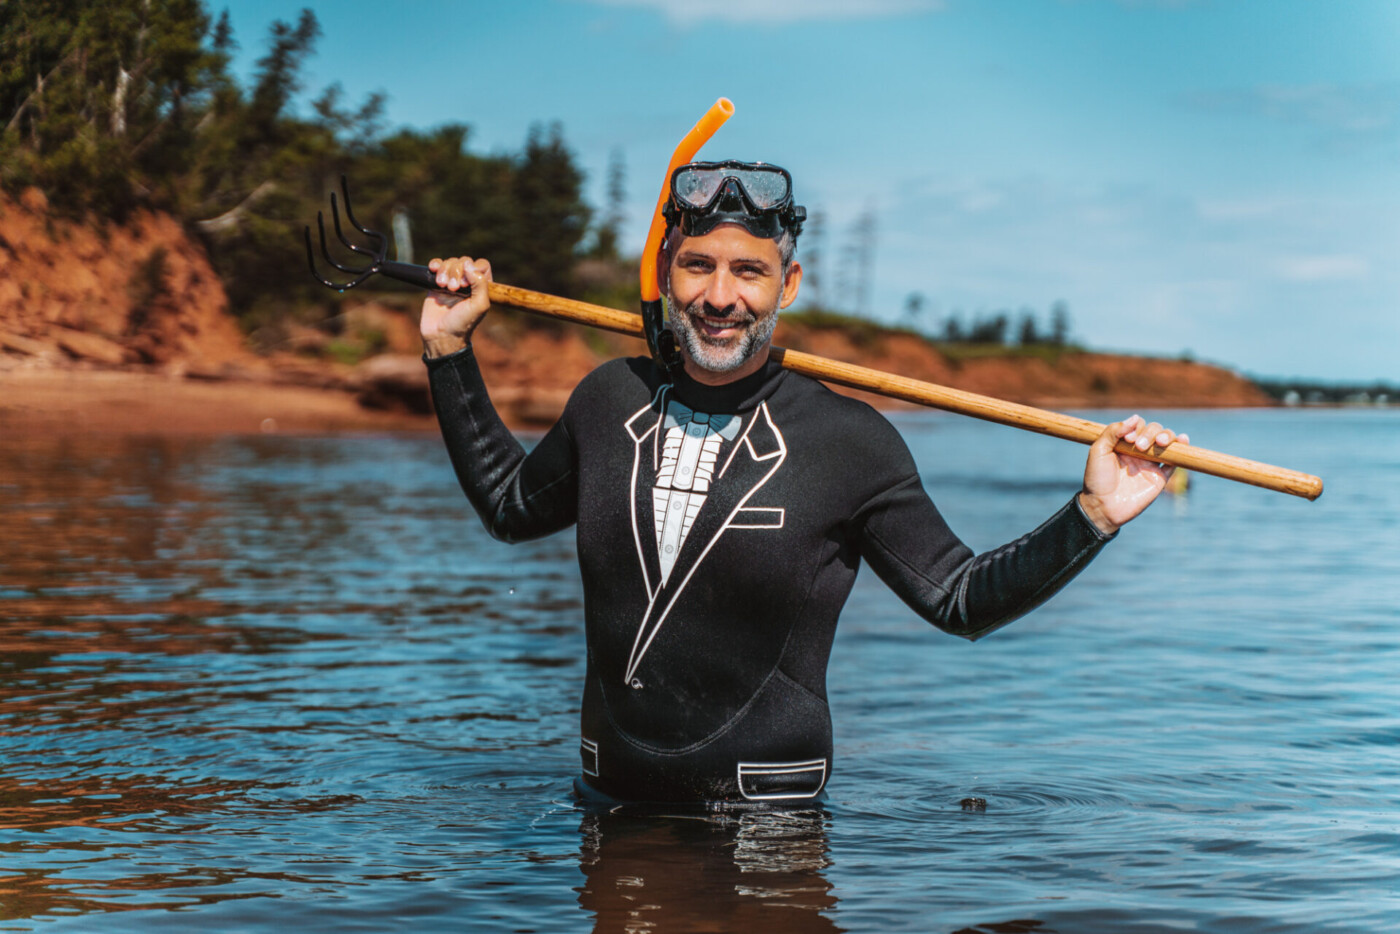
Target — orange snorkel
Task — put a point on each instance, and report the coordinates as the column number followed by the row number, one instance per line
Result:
column 660, row 340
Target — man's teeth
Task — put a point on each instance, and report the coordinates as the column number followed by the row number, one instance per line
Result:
column 720, row 322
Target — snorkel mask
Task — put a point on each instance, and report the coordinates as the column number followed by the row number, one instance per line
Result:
column 754, row 195
column 697, row 198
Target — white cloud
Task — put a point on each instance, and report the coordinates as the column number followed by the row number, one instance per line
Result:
column 1236, row 276
column 691, row 12
column 1323, row 268
column 1355, row 112
column 1239, row 209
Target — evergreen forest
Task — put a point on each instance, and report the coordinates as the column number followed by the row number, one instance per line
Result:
column 131, row 104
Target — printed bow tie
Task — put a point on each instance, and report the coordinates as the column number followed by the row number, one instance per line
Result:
column 678, row 416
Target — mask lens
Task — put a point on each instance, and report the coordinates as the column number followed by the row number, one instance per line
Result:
column 766, row 188
column 696, row 187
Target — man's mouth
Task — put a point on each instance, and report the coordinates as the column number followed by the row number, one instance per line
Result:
column 720, row 328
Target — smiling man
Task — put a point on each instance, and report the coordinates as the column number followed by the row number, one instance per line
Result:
column 724, row 505
column 719, row 292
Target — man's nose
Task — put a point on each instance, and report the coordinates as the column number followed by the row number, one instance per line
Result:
column 723, row 291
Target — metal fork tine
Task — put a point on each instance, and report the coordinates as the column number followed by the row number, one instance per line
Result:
column 335, row 219
column 376, row 254
column 311, row 261
column 358, row 279
column 381, row 249
column 321, row 226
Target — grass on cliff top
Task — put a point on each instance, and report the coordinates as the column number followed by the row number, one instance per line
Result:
column 864, row 332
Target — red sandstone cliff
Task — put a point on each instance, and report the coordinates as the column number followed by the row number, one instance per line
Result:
column 109, row 295
column 142, row 298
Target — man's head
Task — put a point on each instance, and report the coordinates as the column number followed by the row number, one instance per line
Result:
column 726, row 265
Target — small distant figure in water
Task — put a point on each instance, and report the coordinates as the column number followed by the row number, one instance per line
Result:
column 1178, row 482
column 973, row 804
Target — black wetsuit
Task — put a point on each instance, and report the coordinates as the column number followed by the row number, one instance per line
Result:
column 719, row 533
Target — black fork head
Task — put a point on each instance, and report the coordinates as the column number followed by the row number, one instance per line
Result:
column 376, row 253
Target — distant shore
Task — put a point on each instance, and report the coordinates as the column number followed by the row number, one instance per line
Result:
column 107, row 402
column 131, row 401
column 126, row 329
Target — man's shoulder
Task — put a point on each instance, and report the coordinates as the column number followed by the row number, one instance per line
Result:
column 618, row 381
column 845, row 421
column 838, row 405
column 622, row 371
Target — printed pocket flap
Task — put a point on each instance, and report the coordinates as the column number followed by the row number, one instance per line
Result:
column 767, row 781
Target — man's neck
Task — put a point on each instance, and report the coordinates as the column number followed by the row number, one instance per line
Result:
column 711, row 378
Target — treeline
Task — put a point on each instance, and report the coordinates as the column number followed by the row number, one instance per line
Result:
column 999, row 328
column 1311, row 392
column 131, row 104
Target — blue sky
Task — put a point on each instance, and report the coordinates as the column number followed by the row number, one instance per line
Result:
column 1211, row 177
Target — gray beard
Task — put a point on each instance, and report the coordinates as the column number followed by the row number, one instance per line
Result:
column 715, row 357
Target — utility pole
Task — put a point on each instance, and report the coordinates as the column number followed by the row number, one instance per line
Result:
column 863, row 250
column 814, row 253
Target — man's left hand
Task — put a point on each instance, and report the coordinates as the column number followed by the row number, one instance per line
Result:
column 1118, row 487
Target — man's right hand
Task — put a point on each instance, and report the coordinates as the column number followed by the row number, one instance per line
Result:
column 450, row 316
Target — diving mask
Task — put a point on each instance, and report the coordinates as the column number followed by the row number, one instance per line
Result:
column 755, row 195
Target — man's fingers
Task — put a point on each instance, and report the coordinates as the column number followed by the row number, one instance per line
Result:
column 1141, row 434
column 452, row 273
column 1149, row 435
column 1144, row 435
column 1116, row 431
column 458, row 271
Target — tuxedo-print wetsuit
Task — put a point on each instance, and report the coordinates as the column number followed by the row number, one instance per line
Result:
column 719, row 533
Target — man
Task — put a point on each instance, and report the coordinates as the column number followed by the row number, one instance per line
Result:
column 724, row 505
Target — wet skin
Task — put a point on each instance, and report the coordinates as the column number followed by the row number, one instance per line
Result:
column 726, row 289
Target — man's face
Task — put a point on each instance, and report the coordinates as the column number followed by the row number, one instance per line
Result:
column 725, row 290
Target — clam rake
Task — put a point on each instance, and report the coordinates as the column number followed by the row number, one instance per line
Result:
column 903, row 388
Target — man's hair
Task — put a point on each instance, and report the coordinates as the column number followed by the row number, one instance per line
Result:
column 787, row 246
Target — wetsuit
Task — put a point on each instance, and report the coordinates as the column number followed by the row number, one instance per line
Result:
column 719, row 533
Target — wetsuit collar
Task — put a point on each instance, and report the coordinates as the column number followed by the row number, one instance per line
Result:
column 738, row 396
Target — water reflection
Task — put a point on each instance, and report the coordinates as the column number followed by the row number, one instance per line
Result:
column 290, row 682
column 748, row 870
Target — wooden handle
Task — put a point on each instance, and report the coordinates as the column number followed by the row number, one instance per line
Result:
column 1054, row 424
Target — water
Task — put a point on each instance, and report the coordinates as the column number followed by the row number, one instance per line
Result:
column 270, row 683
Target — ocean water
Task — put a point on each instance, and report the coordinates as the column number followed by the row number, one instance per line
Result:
column 277, row 683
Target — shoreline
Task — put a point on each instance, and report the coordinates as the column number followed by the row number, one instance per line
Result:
column 119, row 402
column 106, row 402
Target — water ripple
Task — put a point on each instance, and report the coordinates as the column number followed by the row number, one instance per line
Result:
column 272, row 682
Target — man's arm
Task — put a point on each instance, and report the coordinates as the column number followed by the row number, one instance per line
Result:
column 517, row 495
column 911, row 547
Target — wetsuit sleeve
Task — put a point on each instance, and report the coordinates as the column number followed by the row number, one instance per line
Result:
column 518, row 496
column 908, row 543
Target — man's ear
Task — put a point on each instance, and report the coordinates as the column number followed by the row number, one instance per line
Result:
column 791, row 281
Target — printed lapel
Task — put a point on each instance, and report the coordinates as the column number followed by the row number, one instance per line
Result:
column 743, row 466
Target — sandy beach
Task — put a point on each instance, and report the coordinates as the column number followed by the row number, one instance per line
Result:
column 124, row 402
